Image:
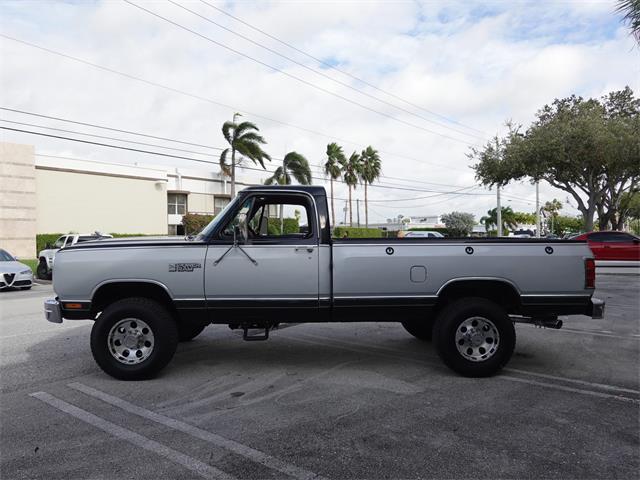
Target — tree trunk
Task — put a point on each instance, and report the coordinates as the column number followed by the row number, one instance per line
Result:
column 366, row 207
column 233, row 172
column 350, row 209
column 333, row 207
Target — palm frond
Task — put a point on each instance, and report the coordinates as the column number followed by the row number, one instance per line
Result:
column 244, row 127
column 224, row 166
column 298, row 166
column 630, row 10
column 228, row 129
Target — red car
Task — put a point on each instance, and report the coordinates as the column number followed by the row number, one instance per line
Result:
column 612, row 245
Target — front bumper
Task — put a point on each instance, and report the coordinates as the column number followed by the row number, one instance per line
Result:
column 52, row 310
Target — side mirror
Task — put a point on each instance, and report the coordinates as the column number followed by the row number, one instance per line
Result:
column 239, row 236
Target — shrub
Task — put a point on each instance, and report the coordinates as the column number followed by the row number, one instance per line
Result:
column 459, row 224
column 355, row 232
column 194, row 223
column 290, row 225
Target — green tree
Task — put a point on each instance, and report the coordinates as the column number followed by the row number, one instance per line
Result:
column 333, row 169
column 564, row 224
column 524, row 217
column 630, row 10
column 588, row 148
column 491, row 219
column 244, row 142
column 459, row 224
column 552, row 209
column 351, row 169
column 369, row 173
column 293, row 166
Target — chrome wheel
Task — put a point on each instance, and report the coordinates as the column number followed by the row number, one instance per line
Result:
column 130, row 341
column 477, row 339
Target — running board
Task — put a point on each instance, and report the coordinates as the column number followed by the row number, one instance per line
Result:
column 543, row 322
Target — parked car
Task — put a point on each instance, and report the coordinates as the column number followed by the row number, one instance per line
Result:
column 423, row 234
column 13, row 273
column 608, row 245
column 46, row 257
column 147, row 294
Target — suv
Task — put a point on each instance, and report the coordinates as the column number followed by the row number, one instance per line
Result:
column 46, row 256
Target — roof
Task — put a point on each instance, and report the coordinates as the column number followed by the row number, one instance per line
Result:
column 311, row 189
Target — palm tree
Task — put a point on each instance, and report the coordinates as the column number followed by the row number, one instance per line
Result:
column 371, row 167
column 244, row 140
column 630, row 9
column 351, row 169
column 293, row 165
column 335, row 157
column 508, row 219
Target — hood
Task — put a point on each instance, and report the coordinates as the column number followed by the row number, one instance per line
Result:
column 131, row 242
column 13, row 267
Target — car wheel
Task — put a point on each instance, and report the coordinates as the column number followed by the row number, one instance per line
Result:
column 42, row 272
column 421, row 329
column 474, row 337
column 134, row 339
column 188, row 331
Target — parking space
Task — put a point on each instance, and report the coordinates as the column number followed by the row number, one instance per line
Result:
column 324, row 401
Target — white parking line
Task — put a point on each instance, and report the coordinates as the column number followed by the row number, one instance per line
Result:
column 238, row 448
column 202, row 469
column 369, row 350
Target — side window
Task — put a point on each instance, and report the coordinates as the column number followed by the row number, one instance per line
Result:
column 610, row 237
column 273, row 218
column 69, row 240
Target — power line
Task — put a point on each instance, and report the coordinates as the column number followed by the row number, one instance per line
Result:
column 220, row 104
column 333, row 67
column 294, row 77
column 148, row 152
column 94, row 125
column 328, row 77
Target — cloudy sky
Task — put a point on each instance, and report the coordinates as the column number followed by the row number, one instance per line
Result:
column 420, row 81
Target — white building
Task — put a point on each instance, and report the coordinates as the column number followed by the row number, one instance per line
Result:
column 49, row 194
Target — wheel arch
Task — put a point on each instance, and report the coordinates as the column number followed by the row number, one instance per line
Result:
column 116, row 289
column 498, row 290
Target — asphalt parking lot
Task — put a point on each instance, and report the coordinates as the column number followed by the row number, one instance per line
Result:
column 340, row 401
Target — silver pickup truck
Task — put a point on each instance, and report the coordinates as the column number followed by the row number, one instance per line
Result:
column 269, row 258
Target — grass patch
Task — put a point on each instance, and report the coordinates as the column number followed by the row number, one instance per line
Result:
column 32, row 263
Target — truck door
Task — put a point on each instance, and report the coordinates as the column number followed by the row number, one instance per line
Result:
column 270, row 271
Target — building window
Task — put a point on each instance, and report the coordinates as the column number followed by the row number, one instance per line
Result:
column 176, row 230
column 219, row 203
column 177, row 204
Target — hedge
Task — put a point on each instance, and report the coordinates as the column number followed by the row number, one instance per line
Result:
column 442, row 230
column 355, row 232
column 290, row 225
column 195, row 223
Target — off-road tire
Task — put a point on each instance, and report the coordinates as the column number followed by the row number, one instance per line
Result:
column 451, row 318
column 188, row 331
column 42, row 272
column 421, row 329
column 159, row 320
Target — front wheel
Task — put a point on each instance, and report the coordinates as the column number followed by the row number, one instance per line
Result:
column 474, row 337
column 42, row 272
column 134, row 338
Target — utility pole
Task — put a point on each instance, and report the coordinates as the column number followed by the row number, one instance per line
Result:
column 358, row 211
column 537, row 209
column 498, row 212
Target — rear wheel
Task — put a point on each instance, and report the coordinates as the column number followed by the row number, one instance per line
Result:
column 134, row 338
column 188, row 331
column 474, row 337
column 421, row 329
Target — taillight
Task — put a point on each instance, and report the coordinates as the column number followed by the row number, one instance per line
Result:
column 589, row 273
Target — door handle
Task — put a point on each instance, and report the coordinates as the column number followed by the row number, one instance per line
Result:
column 300, row 249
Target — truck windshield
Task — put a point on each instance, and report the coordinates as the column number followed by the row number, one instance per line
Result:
column 206, row 231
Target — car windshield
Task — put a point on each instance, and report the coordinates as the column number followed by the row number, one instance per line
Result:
column 5, row 256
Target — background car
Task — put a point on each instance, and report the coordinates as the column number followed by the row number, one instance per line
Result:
column 46, row 257
column 13, row 273
column 423, row 234
column 612, row 245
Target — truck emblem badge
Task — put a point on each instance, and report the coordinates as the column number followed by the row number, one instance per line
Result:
column 389, row 251
column 549, row 250
column 469, row 250
column 184, row 267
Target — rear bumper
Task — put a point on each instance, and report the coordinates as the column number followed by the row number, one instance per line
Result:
column 595, row 309
column 52, row 310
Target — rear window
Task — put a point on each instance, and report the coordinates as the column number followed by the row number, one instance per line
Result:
column 610, row 237
column 87, row 238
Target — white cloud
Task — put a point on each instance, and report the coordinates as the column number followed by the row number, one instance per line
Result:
column 477, row 63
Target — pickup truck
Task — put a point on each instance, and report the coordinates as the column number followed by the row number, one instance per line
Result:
column 46, row 257
column 268, row 258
